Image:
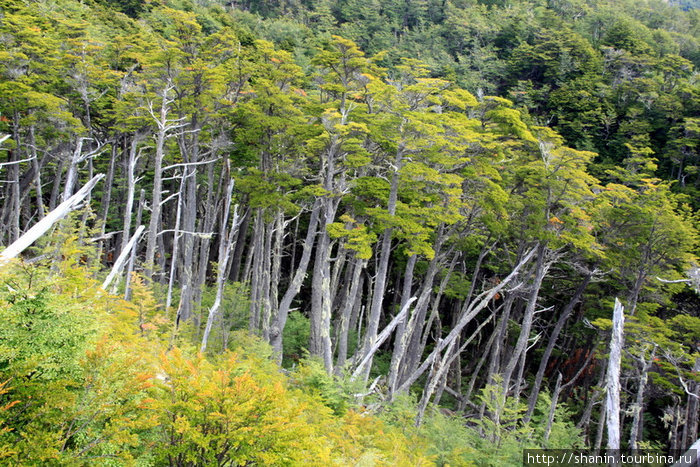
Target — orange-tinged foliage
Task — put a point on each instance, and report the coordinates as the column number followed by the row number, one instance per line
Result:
column 5, row 449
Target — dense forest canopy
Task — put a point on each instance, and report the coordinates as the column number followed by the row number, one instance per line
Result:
column 350, row 232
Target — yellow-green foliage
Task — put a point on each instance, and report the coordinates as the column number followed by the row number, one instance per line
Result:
column 214, row 414
column 92, row 380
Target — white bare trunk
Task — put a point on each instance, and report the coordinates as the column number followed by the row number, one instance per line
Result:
column 41, row 227
column 132, row 257
column 478, row 304
column 123, row 256
column 612, row 400
column 381, row 338
column 225, row 248
column 295, row 284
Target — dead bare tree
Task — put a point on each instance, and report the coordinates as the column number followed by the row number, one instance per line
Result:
column 612, row 400
column 165, row 129
column 123, row 256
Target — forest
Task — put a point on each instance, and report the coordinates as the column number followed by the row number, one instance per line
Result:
column 347, row 232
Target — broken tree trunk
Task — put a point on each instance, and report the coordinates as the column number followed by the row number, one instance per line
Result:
column 165, row 127
column 638, row 408
column 690, row 458
column 77, row 158
column 132, row 257
column 612, row 400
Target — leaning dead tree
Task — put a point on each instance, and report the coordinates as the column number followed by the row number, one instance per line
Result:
column 41, row 227
column 123, row 257
column 691, row 457
column 379, row 340
column 480, row 302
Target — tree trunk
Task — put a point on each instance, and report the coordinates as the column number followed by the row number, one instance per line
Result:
column 11, row 207
column 693, row 406
column 129, row 168
column 635, row 291
column 419, row 339
column 479, row 365
column 207, row 225
column 612, row 400
column 295, row 284
column 479, row 303
column 346, row 313
column 176, row 250
column 321, row 294
column 552, row 409
column 382, row 269
column 411, row 336
column 256, row 270
column 496, row 358
column 157, row 192
column 265, row 292
column 551, row 342
column 401, row 337
column 56, row 187
column 337, row 292
column 386, row 332
column 276, row 271
column 107, row 198
column 72, row 171
column 526, row 326
column 225, row 247
column 37, row 175
column 584, row 422
column 240, row 246
column 123, row 256
column 412, row 347
column 189, row 218
column 132, row 259
column 76, row 158
column 436, row 374
column 637, row 419
column 601, row 429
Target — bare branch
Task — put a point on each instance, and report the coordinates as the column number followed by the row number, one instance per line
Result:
column 204, row 235
column 17, row 162
column 174, row 195
column 188, row 164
